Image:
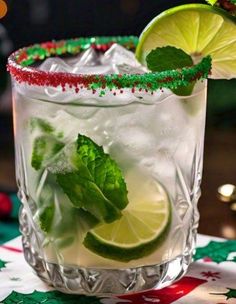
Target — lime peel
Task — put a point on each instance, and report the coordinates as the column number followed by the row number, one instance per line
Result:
column 117, row 253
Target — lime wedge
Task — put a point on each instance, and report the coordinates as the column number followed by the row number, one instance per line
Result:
column 141, row 229
column 197, row 29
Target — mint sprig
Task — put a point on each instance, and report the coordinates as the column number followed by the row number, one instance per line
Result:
column 91, row 179
column 170, row 58
column 92, row 182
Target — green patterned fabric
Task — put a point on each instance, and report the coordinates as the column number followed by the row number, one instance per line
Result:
column 9, row 228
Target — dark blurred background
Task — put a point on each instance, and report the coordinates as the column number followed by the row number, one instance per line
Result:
column 31, row 21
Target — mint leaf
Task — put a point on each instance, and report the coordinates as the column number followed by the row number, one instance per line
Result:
column 45, row 143
column 60, row 231
column 184, row 90
column 56, row 213
column 84, row 193
column 44, row 148
column 86, row 220
column 45, row 202
column 41, row 124
column 91, row 179
column 168, row 58
column 46, row 217
column 211, row 2
column 104, row 170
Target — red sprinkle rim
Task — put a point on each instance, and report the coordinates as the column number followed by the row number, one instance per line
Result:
column 19, row 66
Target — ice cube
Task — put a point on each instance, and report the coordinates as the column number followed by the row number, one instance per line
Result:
column 129, row 69
column 171, row 126
column 136, row 139
column 116, row 60
column 55, row 64
column 117, row 54
column 89, row 58
column 162, row 167
column 66, row 125
column 100, row 69
column 89, row 63
column 73, row 60
column 70, row 125
column 131, row 144
column 62, row 162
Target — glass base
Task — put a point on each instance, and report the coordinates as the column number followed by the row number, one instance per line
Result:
column 107, row 282
column 100, row 282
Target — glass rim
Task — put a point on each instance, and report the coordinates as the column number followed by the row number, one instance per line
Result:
column 19, row 66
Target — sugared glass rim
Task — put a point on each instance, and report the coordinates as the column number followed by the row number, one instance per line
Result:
column 19, row 66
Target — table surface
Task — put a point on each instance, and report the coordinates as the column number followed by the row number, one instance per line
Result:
column 211, row 279
column 219, row 168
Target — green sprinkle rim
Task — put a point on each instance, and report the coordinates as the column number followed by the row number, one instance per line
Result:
column 19, row 66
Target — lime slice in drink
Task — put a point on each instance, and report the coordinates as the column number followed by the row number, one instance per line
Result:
column 141, row 229
column 197, row 29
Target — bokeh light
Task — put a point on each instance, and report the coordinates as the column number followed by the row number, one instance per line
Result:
column 228, row 232
column 227, row 193
column 3, row 8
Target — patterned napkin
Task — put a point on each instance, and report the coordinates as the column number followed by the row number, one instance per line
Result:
column 211, row 279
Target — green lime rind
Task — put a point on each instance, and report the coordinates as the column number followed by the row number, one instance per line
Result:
column 125, row 255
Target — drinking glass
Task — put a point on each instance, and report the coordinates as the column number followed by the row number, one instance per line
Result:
column 108, row 169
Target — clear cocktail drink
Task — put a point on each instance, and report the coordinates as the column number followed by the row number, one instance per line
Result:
column 109, row 150
column 108, row 167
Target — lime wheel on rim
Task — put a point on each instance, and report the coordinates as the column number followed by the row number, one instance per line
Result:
column 197, row 29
